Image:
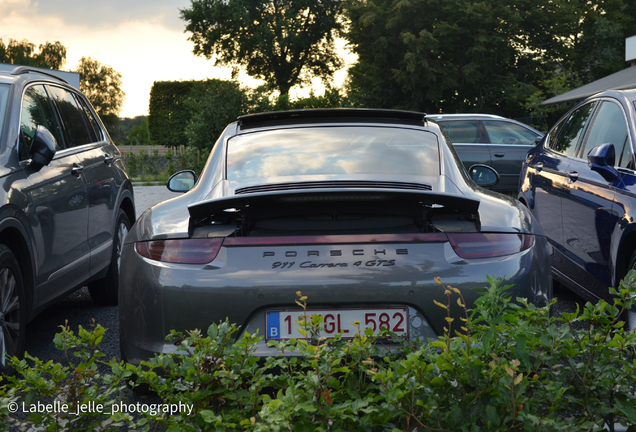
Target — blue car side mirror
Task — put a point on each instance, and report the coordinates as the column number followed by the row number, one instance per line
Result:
column 602, row 159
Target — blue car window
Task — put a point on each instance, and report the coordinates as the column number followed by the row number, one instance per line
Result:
column 608, row 127
column 567, row 139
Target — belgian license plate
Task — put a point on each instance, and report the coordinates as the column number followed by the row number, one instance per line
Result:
column 285, row 325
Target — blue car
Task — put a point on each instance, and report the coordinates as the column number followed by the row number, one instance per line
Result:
column 580, row 184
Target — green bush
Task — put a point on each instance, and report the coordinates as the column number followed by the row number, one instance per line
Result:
column 504, row 366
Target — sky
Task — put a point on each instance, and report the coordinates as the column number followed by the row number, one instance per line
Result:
column 144, row 40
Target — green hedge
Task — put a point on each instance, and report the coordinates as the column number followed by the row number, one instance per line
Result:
column 195, row 113
column 503, row 367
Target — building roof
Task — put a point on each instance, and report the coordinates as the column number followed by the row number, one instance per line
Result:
column 621, row 80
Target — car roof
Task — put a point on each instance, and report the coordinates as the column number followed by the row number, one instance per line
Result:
column 465, row 116
column 331, row 115
column 629, row 94
column 10, row 73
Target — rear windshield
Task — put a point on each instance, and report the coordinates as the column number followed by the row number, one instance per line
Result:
column 333, row 150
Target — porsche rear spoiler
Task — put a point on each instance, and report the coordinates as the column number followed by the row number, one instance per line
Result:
column 300, row 199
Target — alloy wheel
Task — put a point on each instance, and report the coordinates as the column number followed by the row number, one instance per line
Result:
column 9, row 315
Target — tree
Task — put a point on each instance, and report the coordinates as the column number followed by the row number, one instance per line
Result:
column 51, row 55
column 492, row 56
column 283, row 42
column 102, row 86
column 446, row 55
column 213, row 104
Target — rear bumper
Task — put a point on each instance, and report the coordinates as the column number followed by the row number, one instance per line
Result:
column 241, row 284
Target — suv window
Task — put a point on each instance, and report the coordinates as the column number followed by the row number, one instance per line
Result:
column 36, row 111
column 92, row 121
column 501, row 132
column 570, row 131
column 73, row 117
column 608, row 127
column 4, row 93
column 465, row 131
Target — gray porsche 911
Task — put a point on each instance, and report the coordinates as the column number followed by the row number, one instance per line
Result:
column 360, row 210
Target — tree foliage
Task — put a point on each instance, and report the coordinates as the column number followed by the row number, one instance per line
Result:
column 283, row 42
column 51, row 55
column 213, row 104
column 481, row 56
column 102, row 86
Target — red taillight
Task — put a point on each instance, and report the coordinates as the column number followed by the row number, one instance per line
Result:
column 489, row 245
column 188, row 251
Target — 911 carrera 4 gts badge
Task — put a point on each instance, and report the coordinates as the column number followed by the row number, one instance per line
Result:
column 312, row 265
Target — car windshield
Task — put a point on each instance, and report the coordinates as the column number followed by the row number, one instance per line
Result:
column 333, row 150
column 4, row 93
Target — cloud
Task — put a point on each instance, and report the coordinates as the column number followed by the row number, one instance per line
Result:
column 100, row 13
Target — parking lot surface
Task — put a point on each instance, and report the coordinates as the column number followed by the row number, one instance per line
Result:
column 78, row 308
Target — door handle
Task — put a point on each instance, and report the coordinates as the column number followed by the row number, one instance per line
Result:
column 108, row 159
column 573, row 175
column 500, row 154
column 77, row 170
column 539, row 166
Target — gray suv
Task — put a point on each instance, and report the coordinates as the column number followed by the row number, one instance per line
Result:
column 491, row 140
column 66, row 201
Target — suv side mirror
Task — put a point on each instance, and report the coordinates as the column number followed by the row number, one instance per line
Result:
column 182, row 181
column 484, row 175
column 42, row 147
column 602, row 159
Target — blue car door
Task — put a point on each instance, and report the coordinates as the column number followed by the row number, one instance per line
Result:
column 588, row 219
column 548, row 170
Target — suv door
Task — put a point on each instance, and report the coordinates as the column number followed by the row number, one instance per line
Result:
column 60, row 202
column 89, row 142
column 509, row 143
column 588, row 218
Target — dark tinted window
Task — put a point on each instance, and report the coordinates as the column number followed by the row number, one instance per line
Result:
column 36, row 111
column 501, row 132
column 332, row 150
column 92, row 121
column 73, row 117
column 464, row 131
column 570, row 131
column 608, row 127
column 4, row 93
column 625, row 157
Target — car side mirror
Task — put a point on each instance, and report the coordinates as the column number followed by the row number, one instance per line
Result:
column 484, row 175
column 182, row 181
column 538, row 139
column 602, row 159
column 42, row 147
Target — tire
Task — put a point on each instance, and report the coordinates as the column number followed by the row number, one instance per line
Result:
column 12, row 310
column 106, row 291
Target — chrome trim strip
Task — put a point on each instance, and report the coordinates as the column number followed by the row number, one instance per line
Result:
column 69, row 267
